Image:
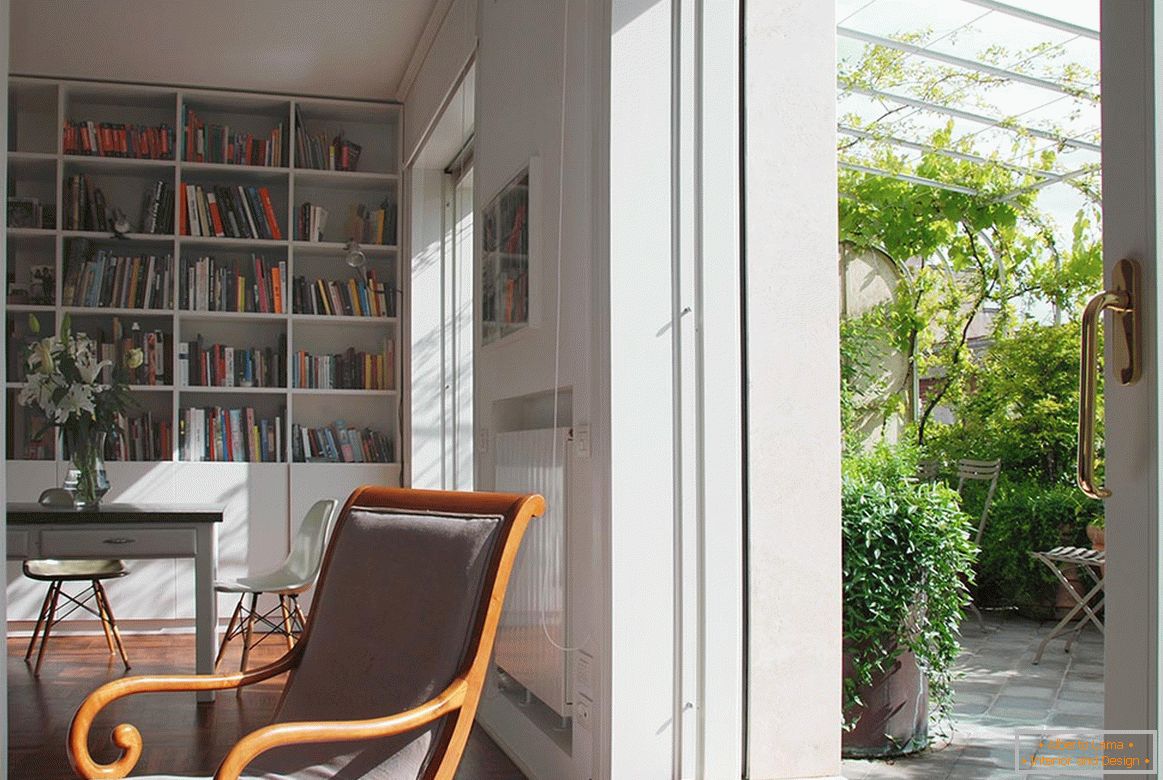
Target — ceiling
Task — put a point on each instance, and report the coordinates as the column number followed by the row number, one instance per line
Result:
column 332, row 48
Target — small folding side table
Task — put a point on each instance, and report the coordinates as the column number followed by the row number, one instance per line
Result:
column 1088, row 604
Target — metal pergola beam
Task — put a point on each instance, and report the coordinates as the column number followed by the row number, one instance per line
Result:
column 1064, row 177
column 940, row 185
column 950, row 59
column 952, row 153
column 1048, row 21
column 972, row 117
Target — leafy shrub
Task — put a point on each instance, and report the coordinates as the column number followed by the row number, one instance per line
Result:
column 1027, row 516
column 1018, row 402
column 907, row 556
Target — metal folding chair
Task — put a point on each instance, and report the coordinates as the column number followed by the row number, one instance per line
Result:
column 984, row 471
column 1093, row 563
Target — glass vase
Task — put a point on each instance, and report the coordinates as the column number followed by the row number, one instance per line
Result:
column 86, row 478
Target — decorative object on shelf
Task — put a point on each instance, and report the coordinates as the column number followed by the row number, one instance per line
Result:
column 505, row 261
column 44, row 285
column 64, row 382
column 121, row 224
column 355, row 258
column 23, row 213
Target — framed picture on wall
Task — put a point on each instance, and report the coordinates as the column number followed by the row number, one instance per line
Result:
column 507, row 269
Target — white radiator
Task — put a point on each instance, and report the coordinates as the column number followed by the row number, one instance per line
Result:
column 536, row 599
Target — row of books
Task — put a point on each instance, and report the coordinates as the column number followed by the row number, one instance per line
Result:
column 29, row 437
column 154, row 345
column 157, row 209
column 348, row 370
column 364, row 224
column 311, row 222
column 220, row 365
column 219, row 144
column 85, row 206
column 256, row 285
column 372, row 226
column 234, row 435
column 112, row 139
column 106, row 279
column 338, row 443
column 231, row 211
column 141, row 438
column 323, row 152
column 351, row 297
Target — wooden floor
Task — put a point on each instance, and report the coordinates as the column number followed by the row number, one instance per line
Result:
column 180, row 736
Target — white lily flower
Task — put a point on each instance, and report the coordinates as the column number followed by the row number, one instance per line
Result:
column 79, row 400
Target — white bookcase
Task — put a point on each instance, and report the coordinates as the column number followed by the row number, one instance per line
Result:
column 265, row 501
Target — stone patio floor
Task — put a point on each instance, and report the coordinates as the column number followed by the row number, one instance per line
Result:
column 1002, row 690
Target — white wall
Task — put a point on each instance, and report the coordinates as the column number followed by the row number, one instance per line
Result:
column 426, row 207
column 518, row 117
column 356, row 48
column 793, row 390
column 438, row 70
column 642, row 393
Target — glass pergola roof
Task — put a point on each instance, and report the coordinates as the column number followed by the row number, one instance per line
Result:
column 1012, row 79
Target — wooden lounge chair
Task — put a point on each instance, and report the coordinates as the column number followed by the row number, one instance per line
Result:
column 385, row 681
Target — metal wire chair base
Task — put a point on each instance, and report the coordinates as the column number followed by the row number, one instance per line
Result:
column 287, row 624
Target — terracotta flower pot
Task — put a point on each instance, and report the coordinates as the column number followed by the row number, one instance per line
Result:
column 1097, row 536
column 895, row 718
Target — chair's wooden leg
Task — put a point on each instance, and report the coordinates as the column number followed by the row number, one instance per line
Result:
column 112, row 623
column 249, row 632
column 286, row 621
column 52, row 611
column 229, row 628
column 104, row 619
column 299, row 614
column 39, row 621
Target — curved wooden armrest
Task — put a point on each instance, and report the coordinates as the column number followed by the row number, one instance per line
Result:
column 126, row 736
column 296, row 733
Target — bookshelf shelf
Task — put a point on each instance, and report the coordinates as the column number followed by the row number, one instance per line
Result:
column 111, row 311
column 214, row 390
column 229, row 316
column 218, row 242
column 31, row 157
column 30, row 233
column 343, row 320
column 130, row 241
column 339, row 248
column 265, row 498
column 373, row 180
column 337, row 391
column 96, row 164
column 237, row 171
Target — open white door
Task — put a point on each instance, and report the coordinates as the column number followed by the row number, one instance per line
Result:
column 1131, row 99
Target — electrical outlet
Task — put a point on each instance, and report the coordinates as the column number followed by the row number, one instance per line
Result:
column 581, row 440
column 483, row 440
column 583, row 675
column 583, row 713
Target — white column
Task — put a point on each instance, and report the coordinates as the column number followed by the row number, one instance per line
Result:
column 1131, row 99
column 641, row 447
column 793, row 418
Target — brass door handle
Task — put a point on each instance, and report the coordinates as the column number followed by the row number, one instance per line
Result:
column 1124, row 301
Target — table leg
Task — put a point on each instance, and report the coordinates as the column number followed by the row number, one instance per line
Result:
column 206, row 603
